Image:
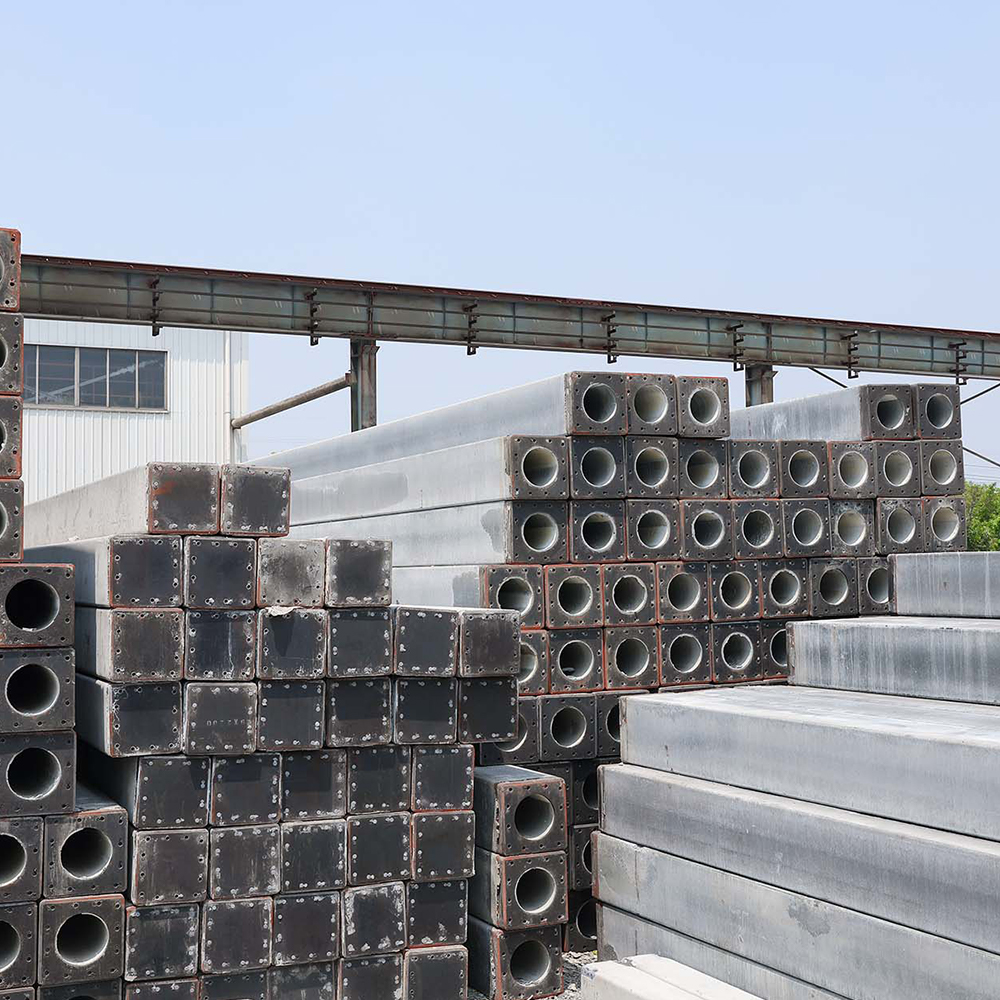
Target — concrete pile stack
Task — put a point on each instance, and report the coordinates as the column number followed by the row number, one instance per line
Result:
column 293, row 752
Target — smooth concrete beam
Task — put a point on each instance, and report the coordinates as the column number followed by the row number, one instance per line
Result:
column 621, row 981
column 439, row 586
column 953, row 659
column 623, row 936
column 953, row 584
column 928, row 762
column 942, row 883
column 695, row 983
column 838, row 949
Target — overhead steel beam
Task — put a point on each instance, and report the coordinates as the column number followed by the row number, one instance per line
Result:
column 162, row 296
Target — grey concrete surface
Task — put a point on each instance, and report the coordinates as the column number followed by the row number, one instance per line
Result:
column 952, row 584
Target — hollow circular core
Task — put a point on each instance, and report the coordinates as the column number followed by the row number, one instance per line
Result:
column 685, row 654
column 515, row 594
column 568, row 726
column 901, row 525
column 586, row 857
column 4, row 521
column 943, row 467
column 735, row 590
column 779, row 647
column 598, row 467
column 737, row 651
column 535, row 890
column 534, row 817
column 702, row 469
column 33, row 773
column 631, row 657
column 530, row 962
column 575, row 596
column 653, row 529
column 86, row 853
column 940, row 410
column 576, row 659
column 540, row 531
column 598, row 531
column 708, row 529
column 851, row 527
column 877, row 585
column 13, row 859
column 652, row 467
column 807, row 527
column 586, row 919
column 890, row 411
column 833, row 586
column 509, row 746
column 540, row 467
column 613, row 722
column 588, row 790
column 758, row 528
column 10, row 945
column 32, row 605
column 852, row 469
column 82, row 939
column 683, row 591
column 3, row 346
column 784, row 587
column 897, row 468
column 32, row 689
column 753, row 469
column 599, row 403
column 528, row 663
column 803, row 469
column 945, row 524
column 650, row 403
column 704, row 406
column 629, row 595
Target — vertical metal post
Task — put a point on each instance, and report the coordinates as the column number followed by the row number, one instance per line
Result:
column 759, row 384
column 364, row 409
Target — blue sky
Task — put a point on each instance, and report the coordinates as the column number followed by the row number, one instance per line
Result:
column 834, row 160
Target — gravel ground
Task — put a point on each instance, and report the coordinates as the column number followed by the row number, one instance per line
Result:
column 572, row 961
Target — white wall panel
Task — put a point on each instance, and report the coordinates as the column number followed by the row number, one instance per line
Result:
column 66, row 446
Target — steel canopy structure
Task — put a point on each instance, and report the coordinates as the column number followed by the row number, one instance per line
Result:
column 366, row 313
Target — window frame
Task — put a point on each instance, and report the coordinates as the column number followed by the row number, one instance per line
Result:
column 76, row 405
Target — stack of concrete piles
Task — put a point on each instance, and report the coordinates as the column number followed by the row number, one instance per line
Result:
column 293, row 753
column 61, row 847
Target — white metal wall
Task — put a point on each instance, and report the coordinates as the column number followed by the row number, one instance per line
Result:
column 66, row 447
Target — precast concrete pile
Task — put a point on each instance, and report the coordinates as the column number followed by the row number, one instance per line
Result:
column 648, row 539
column 291, row 754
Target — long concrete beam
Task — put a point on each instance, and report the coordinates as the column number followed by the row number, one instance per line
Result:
column 624, row 936
column 953, row 659
column 622, row 981
column 942, row 883
column 831, row 946
column 953, row 584
column 927, row 762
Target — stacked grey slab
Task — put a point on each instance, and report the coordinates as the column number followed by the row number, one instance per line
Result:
column 62, row 847
column 652, row 977
column 293, row 752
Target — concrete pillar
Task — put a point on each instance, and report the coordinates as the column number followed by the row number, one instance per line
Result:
column 759, row 384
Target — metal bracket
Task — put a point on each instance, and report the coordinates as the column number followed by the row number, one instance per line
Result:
column 738, row 353
column 155, row 311
column 853, row 351
column 958, row 346
column 472, row 318
column 611, row 345
column 313, row 322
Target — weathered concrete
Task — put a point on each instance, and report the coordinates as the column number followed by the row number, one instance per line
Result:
column 953, row 659
column 926, row 762
column 836, row 948
column 620, row 981
column 952, row 584
column 694, row 982
column 941, row 883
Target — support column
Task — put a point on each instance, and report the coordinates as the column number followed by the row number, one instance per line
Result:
column 759, row 384
column 364, row 409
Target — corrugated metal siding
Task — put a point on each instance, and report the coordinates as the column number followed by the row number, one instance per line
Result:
column 66, row 447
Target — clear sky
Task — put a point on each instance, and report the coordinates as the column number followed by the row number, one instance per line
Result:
column 823, row 159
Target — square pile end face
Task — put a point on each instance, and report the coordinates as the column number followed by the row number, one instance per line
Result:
column 291, row 572
column 12, row 346
column 12, row 515
column 702, row 406
column 81, row 939
column 182, row 498
column 39, row 774
column 538, row 467
column 291, row 643
column 219, row 645
column 489, row 643
column 651, row 403
column 86, row 852
column 10, row 270
column 358, row 573
column 517, row 588
column 425, row 642
column 939, row 411
column 11, row 420
column 596, row 403
column 146, row 571
column 255, row 500
column 22, row 838
column 37, row 605
column 220, row 573
column 37, row 690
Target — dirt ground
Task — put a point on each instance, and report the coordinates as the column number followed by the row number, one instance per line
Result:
column 572, row 961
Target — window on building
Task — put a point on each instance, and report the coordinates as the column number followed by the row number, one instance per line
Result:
column 95, row 376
